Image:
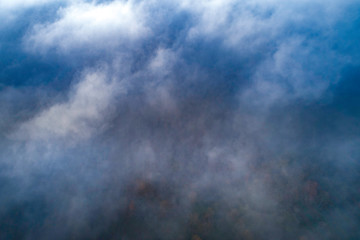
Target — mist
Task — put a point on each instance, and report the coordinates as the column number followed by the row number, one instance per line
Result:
column 234, row 119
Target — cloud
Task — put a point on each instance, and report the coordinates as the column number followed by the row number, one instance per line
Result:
column 90, row 26
column 183, row 119
column 246, row 21
column 276, row 34
column 80, row 116
column 293, row 71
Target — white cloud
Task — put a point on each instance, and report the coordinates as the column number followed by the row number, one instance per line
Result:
column 79, row 117
column 90, row 26
column 249, row 27
column 292, row 65
column 242, row 24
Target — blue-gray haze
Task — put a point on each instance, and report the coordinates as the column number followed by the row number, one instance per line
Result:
column 208, row 119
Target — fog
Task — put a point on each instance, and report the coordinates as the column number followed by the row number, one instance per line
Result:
column 234, row 119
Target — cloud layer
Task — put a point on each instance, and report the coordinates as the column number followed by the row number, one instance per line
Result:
column 233, row 119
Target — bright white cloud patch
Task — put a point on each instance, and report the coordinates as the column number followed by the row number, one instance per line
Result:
column 90, row 25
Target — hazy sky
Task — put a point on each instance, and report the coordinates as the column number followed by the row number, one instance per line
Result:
column 217, row 119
